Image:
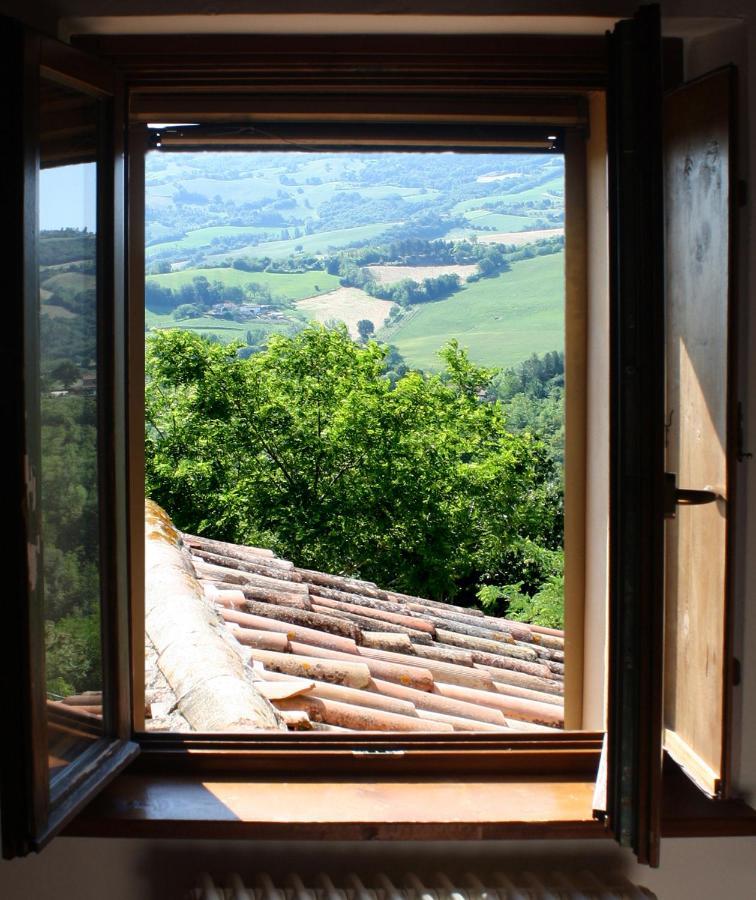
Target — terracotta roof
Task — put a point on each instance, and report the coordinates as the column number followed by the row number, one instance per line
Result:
column 337, row 653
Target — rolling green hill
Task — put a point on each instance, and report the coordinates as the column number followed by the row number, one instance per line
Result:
column 285, row 285
column 311, row 243
column 502, row 320
column 207, row 209
column 225, row 330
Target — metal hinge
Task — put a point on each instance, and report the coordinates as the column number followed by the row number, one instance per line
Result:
column 740, row 451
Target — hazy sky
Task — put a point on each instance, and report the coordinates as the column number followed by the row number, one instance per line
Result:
column 68, row 197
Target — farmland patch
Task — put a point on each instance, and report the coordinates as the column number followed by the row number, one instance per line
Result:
column 393, row 274
column 519, row 238
column 282, row 285
column 347, row 305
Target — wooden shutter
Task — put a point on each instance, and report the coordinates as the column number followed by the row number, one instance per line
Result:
column 60, row 109
column 637, row 434
column 700, row 425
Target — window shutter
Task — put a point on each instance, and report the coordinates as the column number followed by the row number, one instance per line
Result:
column 701, row 425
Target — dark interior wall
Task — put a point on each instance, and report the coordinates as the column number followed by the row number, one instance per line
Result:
column 39, row 14
column 369, row 7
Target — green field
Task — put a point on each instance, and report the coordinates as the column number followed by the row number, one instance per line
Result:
column 310, row 243
column 240, row 190
column 552, row 188
column 226, row 331
column 481, row 218
column 203, row 237
column 285, row 285
column 501, row 320
column 68, row 282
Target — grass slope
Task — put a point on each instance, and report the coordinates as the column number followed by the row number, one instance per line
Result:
column 311, row 243
column 480, row 218
column 290, row 286
column 68, row 282
column 203, row 237
column 501, row 320
column 225, row 330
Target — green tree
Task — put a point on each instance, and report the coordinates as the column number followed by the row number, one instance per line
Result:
column 66, row 373
column 365, row 328
column 187, row 311
column 308, row 448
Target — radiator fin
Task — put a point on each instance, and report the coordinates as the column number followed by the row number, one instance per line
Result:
column 519, row 885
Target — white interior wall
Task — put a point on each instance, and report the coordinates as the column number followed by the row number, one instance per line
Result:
column 79, row 869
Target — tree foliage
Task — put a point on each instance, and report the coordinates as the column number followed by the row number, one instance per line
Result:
column 533, row 397
column 544, row 606
column 307, row 447
column 365, row 329
column 70, row 526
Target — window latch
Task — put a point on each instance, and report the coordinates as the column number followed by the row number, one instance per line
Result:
column 675, row 496
column 377, row 752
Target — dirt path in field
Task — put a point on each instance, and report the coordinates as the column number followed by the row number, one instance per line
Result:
column 347, row 305
column 392, row 274
column 518, row 238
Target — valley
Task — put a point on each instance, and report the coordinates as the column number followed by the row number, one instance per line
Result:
column 424, row 247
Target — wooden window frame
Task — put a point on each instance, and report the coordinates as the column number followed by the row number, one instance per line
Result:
column 348, row 108
column 162, row 792
column 33, row 802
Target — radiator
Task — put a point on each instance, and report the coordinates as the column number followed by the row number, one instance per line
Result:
column 524, row 885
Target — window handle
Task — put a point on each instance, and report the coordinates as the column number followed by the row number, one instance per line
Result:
column 675, row 496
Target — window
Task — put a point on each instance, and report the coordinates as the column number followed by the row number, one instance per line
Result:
column 398, row 470
column 438, row 81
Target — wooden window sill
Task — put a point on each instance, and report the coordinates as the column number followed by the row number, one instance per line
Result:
column 188, row 806
column 688, row 813
column 389, row 808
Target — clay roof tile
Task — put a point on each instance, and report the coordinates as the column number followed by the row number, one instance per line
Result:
column 331, row 652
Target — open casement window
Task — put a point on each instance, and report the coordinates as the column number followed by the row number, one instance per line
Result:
column 673, row 409
column 64, row 380
column 273, row 785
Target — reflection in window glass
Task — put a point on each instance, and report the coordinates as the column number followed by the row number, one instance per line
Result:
column 69, row 429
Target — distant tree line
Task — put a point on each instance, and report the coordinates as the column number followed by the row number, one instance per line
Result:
column 352, row 266
column 66, row 245
column 201, row 294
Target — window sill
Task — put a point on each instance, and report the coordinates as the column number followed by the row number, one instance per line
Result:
column 393, row 808
column 389, row 807
column 688, row 813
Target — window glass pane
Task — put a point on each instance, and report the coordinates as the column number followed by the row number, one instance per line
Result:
column 69, row 421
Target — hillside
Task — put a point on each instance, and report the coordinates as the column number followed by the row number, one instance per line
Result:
column 501, row 319
column 243, row 245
